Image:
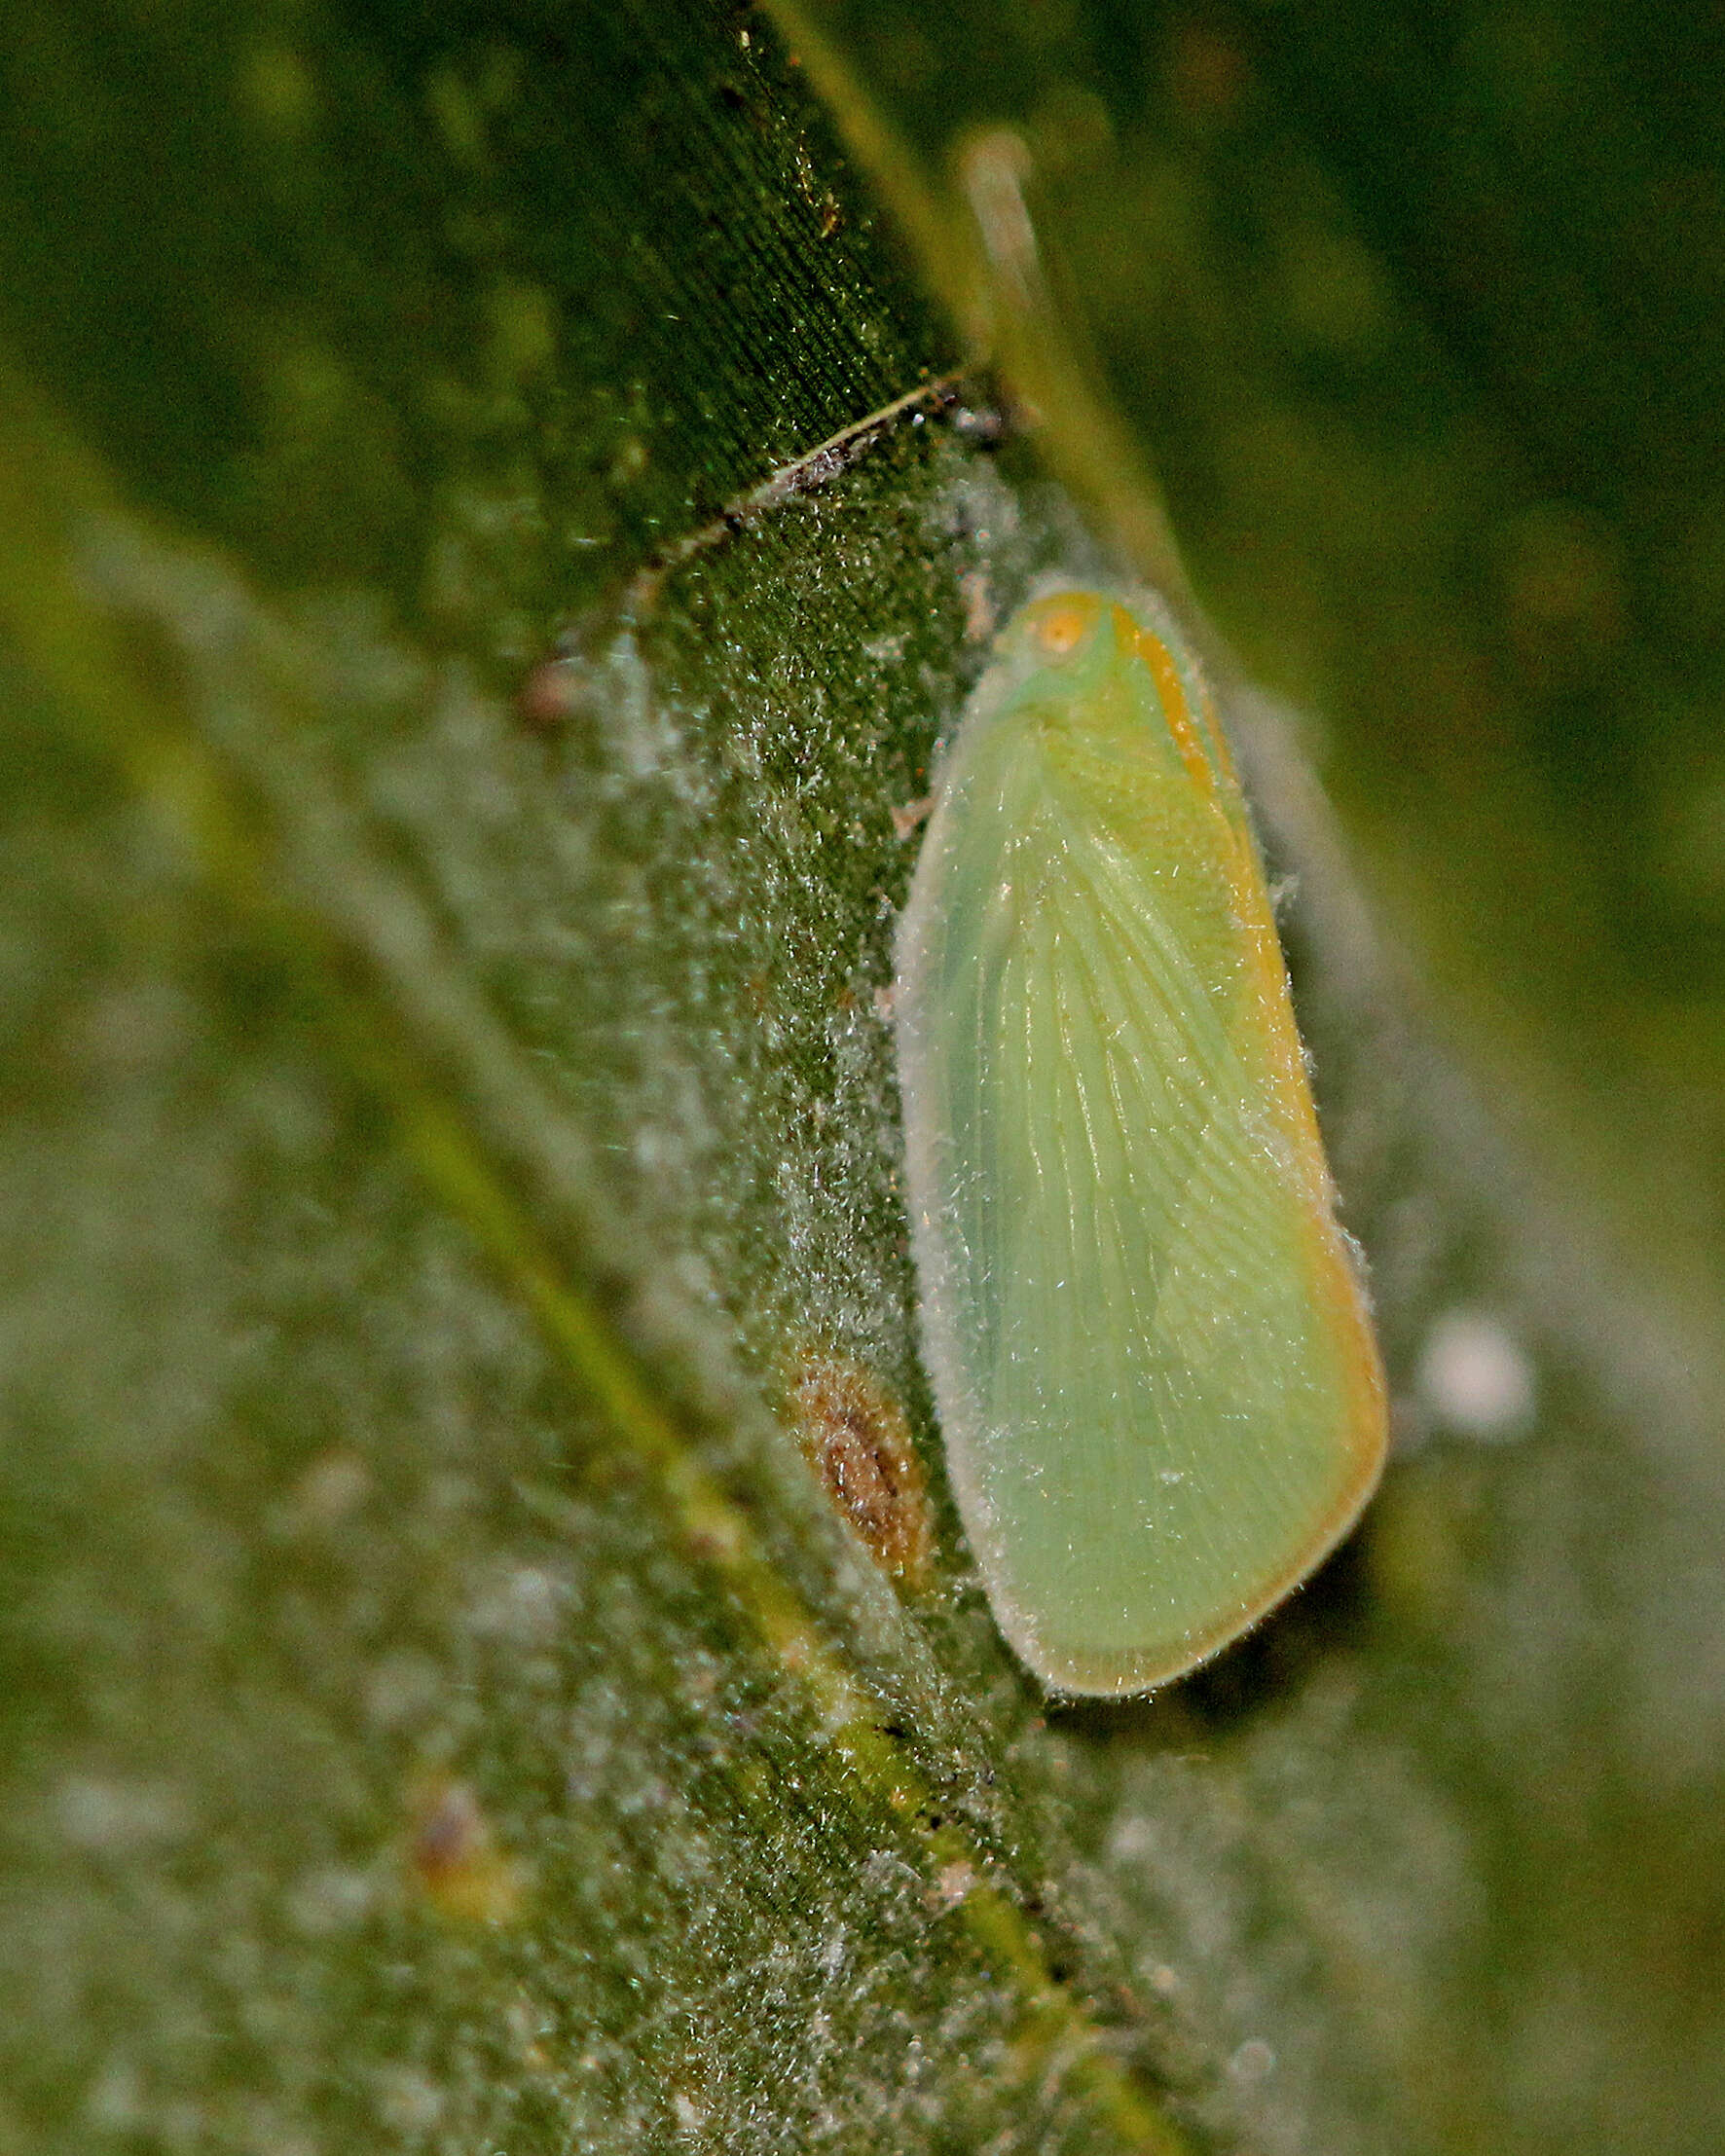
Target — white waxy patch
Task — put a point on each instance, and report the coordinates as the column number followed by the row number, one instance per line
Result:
column 1475, row 1379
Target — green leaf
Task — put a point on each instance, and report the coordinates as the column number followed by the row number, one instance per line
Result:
column 450, row 1180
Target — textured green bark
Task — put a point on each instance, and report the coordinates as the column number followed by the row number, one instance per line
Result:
column 440, row 1709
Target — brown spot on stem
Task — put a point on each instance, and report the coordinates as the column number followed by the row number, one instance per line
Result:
column 857, row 1441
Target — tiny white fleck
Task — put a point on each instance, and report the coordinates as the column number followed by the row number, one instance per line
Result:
column 401, row 1689
column 328, row 1898
column 1475, row 1378
column 114, row 1817
column 1253, row 2061
column 332, row 1487
column 952, row 1882
column 1132, row 1836
column 114, row 2101
column 408, row 2101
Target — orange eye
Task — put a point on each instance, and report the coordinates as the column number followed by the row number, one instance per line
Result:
column 1061, row 625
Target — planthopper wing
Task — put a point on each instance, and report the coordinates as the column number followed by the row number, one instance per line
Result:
column 1148, row 1342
